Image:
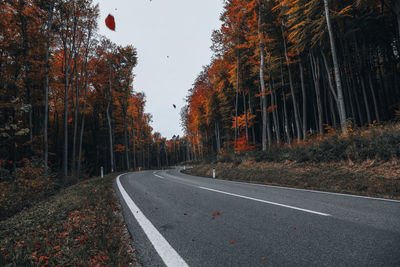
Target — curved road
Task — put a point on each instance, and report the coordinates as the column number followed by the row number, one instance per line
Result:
column 182, row 220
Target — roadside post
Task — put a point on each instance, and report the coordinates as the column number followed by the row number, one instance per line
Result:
column 184, row 167
column 214, row 173
column 101, row 172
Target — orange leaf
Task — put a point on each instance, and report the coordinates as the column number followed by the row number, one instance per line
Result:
column 110, row 22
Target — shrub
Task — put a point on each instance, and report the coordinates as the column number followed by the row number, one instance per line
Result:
column 376, row 142
column 30, row 187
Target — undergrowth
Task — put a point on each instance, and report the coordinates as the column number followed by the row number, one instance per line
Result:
column 376, row 142
column 80, row 226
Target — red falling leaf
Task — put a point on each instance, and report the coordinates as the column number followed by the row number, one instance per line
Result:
column 216, row 214
column 70, row 120
column 110, row 22
column 233, row 242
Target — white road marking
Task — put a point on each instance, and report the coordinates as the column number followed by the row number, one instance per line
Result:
column 307, row 190
column 320, row 192
column 267, row 202
column 161, row 245
column 158, row 176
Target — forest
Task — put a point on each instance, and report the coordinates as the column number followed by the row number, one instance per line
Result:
column 302, row 94
column 67, row 104
column 288, row 71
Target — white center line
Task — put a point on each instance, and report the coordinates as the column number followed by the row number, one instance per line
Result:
column 161, row 245
column 267, row 202
column 158, row 176
column 319, row 192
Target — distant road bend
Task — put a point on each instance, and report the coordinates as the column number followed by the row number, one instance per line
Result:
column 182, row 220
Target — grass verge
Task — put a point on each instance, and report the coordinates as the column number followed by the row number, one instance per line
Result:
column 80, row 226
column 370, row 178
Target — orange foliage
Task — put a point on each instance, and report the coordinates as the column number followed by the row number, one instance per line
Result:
column 242, row 121
column 119, row 148
column 242, row 145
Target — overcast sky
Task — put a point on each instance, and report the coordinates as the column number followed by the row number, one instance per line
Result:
column 173, row 39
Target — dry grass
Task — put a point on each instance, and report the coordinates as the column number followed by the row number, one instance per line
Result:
column 371, row 178
column 80, row 226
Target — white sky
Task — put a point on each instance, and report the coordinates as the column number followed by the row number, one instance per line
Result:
column 179, row 29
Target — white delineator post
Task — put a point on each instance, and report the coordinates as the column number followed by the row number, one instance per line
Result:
column 214, row 173
column 101, row 172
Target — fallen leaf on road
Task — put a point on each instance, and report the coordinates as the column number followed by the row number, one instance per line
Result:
column 263, row 258
column 216, row 214
column 233, row 242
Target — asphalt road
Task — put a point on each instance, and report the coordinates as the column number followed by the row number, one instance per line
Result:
column 178, row 220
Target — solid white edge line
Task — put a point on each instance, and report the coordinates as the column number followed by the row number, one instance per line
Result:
column 265, row 201
column 161, row 245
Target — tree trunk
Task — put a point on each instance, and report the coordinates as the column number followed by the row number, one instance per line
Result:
column 217, row 137
column 316, row 77
column 342, row 111
column 268, row 123
column 84, row 103
column 275, row 114
column 330, row 83
column 237, row 99
column 363, row 90
column 286, row 118
column 75, row 121
column 295, row 109
column 46, row 92
column 67, row 67
column 332, row 110
column 350, row 98
column 245, row 117
column 166, row 154
column 251, row 113
column 285, row 114
column 374, row 99
column 126, row 143
column 303, row 92
column 262, row 83
column 110, row 137
column 133, row 146
column 360, row 114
